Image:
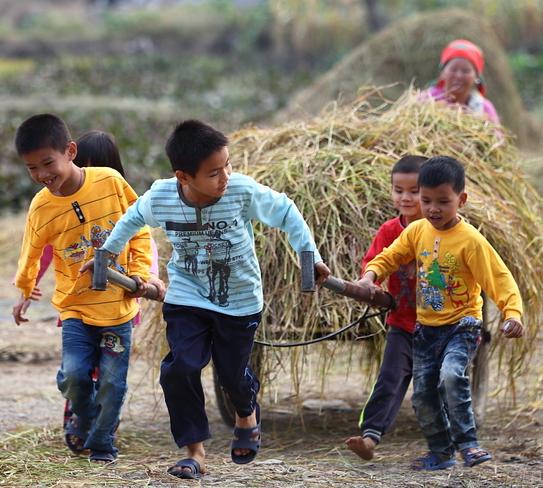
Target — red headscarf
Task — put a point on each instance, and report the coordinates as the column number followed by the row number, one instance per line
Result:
column 462, row 48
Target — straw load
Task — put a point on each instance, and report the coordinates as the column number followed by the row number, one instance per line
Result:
column 336, row 168
column 407, row 52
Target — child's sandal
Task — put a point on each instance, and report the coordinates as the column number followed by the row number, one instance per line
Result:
column 432, row 462
column 247, row 438
column 74, row 437
column 102, row 457
column 474, row 456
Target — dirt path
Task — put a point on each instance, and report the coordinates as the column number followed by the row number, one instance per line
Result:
column 298, row 451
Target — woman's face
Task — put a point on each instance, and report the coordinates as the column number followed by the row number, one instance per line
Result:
column 459, row 76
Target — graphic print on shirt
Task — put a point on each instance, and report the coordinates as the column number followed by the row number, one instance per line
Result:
column 190, row 251
column 77, row 251
column 206, row 254
column 439, row 281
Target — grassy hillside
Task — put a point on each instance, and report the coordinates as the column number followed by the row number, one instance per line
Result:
column 135, row 72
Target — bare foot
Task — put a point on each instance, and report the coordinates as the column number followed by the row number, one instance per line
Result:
column 363, row 447
column 246, row 423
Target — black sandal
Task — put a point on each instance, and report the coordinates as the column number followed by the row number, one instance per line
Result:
column 194, row 471
column 247, row 438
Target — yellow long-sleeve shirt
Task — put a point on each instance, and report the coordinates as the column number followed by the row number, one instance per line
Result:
column 452, row 266
column 103, row 198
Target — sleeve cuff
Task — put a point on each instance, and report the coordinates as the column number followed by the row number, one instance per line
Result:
column 512, row 314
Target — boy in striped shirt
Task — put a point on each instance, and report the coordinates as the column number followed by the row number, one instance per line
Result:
column 75, row 213
column 214, row 300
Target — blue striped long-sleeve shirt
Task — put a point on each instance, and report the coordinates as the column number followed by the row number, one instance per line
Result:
column 213, row 263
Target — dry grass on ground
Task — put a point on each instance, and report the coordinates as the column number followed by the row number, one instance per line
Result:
column 295, row 453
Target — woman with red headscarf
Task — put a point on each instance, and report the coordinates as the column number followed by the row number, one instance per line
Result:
column 460, row 79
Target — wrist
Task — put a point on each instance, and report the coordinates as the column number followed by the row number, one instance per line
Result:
column 110, row 254
column 369, row 276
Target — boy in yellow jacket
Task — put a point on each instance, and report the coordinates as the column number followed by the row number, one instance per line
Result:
column 75, row 213
column 454, row 261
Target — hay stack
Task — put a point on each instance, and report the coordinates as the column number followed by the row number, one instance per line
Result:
column 337, row 170
column 408, row 51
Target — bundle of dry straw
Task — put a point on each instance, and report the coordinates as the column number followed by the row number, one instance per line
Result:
column 336, row 168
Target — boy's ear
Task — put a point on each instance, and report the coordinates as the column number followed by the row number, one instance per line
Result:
column 71, row 150
column 463, row 199
column 182, row 177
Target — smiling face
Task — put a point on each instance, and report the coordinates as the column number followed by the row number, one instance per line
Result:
column 440, row 205
column 405, row 195
column 54, row 169
column 210, row 181
column 459, row 77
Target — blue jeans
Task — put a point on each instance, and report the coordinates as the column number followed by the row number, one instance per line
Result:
column 85, row 347
column 442, row 396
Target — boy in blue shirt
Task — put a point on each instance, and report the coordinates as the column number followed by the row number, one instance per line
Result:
column 214, row 300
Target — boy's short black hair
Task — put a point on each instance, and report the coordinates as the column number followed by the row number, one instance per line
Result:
column 440, row 170
column 41, row 131
column 409, row 164
column 192, row 142
column 97, row 148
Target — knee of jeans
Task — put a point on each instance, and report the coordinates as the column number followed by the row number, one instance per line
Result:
column 418, row 399
column 74, row 378
column 425, row 413
column 452, row 376
column 112, row 385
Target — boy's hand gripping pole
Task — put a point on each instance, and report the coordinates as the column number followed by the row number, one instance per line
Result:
column 381, row 299
column 102, row 274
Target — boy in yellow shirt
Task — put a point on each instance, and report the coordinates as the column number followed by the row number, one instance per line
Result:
column 75, row 213
column 454, row 261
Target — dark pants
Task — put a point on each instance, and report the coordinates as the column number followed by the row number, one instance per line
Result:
column 441, row 390
column 195, row 335
column 389, row 390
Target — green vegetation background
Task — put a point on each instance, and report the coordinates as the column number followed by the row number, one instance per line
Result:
column 136, row 71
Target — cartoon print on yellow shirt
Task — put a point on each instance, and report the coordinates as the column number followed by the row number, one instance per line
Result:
column 77, row 251
column 437, row 282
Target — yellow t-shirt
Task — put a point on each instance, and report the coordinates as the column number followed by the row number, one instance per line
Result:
column 452, row 266
column 103, row 199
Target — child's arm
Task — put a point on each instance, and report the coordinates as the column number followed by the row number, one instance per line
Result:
column 27, row 270
column 379, row 242
column 154, row 278
column 139, row 261
column 140, row 254
column 137, row 216
column 20, row 308
column 277, row 210
column 154, row 270
column 45, row 261
column 129, row 229
column 496, row 280
column 401, row 251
